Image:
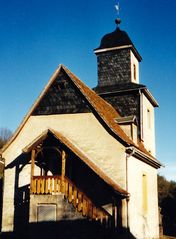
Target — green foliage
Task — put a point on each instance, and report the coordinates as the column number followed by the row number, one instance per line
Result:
column 167, row 202
column 163, row 189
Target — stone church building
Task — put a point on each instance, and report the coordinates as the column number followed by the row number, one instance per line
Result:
column 82, row 162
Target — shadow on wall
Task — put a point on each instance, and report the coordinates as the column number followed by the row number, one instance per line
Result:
column 21, row 194
column 67, row 229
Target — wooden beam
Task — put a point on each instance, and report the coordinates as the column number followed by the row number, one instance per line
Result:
column 32, row 168
column 63, row 170
column 119, row 213
column 113, row 214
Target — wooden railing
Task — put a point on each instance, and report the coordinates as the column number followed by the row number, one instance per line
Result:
column 46, row 184
column 56, row 184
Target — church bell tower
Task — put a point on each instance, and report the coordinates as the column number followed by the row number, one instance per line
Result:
column 118, row 83
column 118, row 60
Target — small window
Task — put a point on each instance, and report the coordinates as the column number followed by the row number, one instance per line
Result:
column 144, row 194
column 46, row 212
column 134, row 71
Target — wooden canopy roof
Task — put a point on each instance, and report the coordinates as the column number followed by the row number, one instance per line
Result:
column 80, row 154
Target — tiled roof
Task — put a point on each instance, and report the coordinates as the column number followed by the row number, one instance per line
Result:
column 81, row 155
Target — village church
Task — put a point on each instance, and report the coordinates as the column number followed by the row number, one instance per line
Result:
column 82, row 162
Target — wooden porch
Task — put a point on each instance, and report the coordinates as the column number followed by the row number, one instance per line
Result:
column 60, row 171
column 44, row 185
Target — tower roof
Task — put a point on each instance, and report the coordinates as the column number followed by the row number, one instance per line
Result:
column 117, row 39
column 114, row 39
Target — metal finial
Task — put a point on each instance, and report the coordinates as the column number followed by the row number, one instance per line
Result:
column 118, row 21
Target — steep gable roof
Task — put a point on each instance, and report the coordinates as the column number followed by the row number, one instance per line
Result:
column 67, row 142
column 105, row 113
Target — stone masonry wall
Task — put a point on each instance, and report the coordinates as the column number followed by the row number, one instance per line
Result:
column 64, row 210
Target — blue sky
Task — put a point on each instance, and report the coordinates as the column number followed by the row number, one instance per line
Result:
column 37, row 35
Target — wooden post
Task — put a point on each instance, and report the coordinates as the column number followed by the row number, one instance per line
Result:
column 32, row 168
column 80, row 198
column 70, row 193
column 119, row 213
column 63, row 171
column 114, row 213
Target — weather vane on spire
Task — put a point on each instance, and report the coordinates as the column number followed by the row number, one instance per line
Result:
column 117, row 7
column 118, row 21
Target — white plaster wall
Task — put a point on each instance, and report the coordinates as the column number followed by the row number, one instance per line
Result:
column 148, row 132
column 142, row 226
column 135, row 62
column 8, row 200
column 84, row 131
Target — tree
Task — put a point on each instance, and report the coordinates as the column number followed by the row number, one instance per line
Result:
column 163, row 189
column 5, row 134
column 167, row 202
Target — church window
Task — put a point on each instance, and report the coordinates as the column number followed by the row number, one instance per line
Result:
column 134, row 71
column 148, row 119
column 144, row 194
